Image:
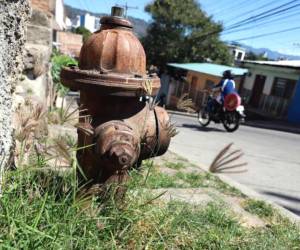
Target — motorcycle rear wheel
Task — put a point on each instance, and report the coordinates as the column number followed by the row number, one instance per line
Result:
column 231, row 121
column 203, row 117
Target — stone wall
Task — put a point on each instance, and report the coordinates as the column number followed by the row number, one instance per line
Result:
column 36, row 80
column 13, row 17
column 44, row 6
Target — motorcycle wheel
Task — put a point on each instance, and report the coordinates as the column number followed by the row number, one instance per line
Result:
column 231, row 121
column 203, row 117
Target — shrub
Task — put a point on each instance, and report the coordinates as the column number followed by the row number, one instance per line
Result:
column 59, row 61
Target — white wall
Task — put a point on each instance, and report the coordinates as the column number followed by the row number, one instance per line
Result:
column 235, row 52
column 270, row 73
column 59, row 13
column 89, row 22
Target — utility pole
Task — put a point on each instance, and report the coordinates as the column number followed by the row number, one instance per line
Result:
column 126, row 7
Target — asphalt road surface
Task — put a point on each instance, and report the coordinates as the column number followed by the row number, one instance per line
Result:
column 273, row 157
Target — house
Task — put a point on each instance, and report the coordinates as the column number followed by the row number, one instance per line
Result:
column 92, row 23
column 59, row 14
column 196, row 77
column 273, row 88
column 238, row 53
column 64, row 41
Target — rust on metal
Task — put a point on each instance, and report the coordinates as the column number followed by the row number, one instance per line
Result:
column 111, row 78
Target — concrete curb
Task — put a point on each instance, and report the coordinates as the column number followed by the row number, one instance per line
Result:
column 254, row 195
column 293, row 218
column 277, row 128
column 247, row 123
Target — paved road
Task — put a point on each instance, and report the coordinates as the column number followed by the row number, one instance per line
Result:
column 273, row 157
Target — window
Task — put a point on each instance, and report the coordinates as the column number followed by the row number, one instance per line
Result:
column 239, row 56
column 283, row 87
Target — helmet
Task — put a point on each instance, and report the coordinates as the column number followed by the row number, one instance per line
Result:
column 228, row 75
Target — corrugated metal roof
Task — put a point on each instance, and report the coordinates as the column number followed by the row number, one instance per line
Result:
column 209, row 68
column 283, row 63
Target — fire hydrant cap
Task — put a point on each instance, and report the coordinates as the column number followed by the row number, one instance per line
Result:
column 112, row 57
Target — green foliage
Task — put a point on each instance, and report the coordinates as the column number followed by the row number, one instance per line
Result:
column 84, row 32
column 58, row 61
column 254, row 57
column 176, row 166
column 181, row 32
column 157, row 179
column 258, row 207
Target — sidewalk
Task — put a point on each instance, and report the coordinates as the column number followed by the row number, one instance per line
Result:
column 273, row 125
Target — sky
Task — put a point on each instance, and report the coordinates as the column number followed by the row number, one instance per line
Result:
column 231, row 12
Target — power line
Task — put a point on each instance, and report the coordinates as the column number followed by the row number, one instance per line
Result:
column 268, row 34
column 85, row 5
column 265, row 14
column 126, row 7
column 261, row 18
column 214, row 6
column 232, row 7
column 225, row 32
column 252, row 10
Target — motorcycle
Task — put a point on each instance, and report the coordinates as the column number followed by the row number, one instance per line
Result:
column 231, row 114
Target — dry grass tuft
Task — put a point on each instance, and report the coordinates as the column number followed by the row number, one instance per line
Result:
column 67, row 115
column 147, row 85
column 171, row 129
column 221, row 163
column 186, row 104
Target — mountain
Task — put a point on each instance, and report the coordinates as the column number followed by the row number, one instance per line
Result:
column 140, row 25
column 271, row 54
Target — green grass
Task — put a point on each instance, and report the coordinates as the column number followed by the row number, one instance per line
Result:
column 175, row 165
column 45, row 210
column 157, row 179
column 259, row 208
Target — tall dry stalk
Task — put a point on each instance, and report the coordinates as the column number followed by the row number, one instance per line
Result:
column 222, row 163
column 30, row 127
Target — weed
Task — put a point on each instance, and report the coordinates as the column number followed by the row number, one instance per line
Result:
column 177, row 165
column 258, row 207
column 186, row 104
column 45, row 209
column 221, row 163
column 58, row 61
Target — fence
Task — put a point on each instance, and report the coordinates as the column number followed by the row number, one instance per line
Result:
column 273, row 105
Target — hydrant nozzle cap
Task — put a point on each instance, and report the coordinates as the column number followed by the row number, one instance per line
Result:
column 117, row 11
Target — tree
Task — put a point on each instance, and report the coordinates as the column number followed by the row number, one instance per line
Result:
column 181, row 32
column 256, row 57
column 84, row 32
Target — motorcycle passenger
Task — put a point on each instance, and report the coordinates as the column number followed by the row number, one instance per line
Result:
column 226, row 86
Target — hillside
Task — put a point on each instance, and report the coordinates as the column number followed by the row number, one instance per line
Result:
column 140, row 26
column 273, row 55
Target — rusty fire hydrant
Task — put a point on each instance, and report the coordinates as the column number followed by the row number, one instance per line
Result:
column 123, row 129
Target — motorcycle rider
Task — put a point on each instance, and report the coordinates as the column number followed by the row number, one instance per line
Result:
column 226, row 86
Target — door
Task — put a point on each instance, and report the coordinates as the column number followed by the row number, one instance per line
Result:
column 193, row 89
column 257, row 90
